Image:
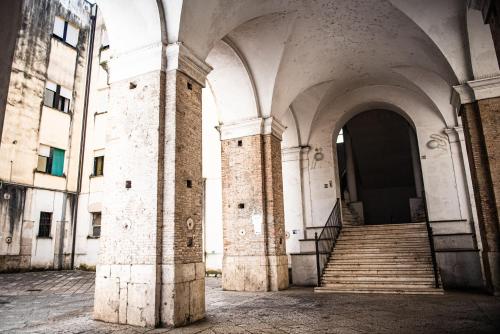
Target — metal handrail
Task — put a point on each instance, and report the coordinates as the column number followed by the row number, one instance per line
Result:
column 430, row 235
column 327, row 238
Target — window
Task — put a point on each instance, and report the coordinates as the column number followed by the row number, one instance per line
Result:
column 98, row 166
column 96, row 224
column 45, row 224
column 50, row 160
column 57, row 97
column 65, row 31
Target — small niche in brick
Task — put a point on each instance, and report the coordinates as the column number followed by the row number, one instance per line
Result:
column 128, row 184
column 190, row 242
column 189, row 184
column 240, row 142
column 241, row 206
column 132, row 85
column 190, row 86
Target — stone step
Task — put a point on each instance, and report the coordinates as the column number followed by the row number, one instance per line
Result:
column 390, row 237
column 377, row 278
column 380, row 290
column 378, row 284
column 393, row 226
column 376, row 248
column 375, row 251
column 354, row 265
column 378, row 262
column 381, row 256
column 401, row 272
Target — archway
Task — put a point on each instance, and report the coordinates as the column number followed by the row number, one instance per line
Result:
column 379, row 169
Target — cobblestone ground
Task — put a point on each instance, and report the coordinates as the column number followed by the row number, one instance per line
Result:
column 61, row 302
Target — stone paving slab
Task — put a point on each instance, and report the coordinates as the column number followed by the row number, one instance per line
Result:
column 61, row 302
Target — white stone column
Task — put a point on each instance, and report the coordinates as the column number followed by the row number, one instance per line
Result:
column 351, row 172
column 292, row 197
column 150, row 270
column 415, row 159
column 459, row 171
column 306, row 188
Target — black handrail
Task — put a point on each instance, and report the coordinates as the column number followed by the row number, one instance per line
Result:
column 431, row 243
column 325, row 242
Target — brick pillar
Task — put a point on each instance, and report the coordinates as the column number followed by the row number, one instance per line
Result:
column 252, row 195
column 481, row 121
column 150, row 269
column 183, row 269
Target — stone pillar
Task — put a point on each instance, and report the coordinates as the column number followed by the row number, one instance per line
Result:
column 480, row 113
column 306, row 188
column 293, row 201
column 415, row 159
column 351, row 172
column 252, row 195
column 150, row 269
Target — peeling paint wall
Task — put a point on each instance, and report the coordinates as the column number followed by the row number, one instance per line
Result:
column 39, row 57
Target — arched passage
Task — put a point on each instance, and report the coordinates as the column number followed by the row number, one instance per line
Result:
column 378, row 168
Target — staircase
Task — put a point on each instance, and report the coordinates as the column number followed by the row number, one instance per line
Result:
column 393, row 258
column 349, row 216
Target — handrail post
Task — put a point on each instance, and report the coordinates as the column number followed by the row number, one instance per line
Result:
column 318, row 269
column 431, row 243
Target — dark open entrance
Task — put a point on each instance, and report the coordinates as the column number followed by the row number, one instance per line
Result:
column 379, row 168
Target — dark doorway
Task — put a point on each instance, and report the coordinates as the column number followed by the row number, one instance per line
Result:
column 377, row 159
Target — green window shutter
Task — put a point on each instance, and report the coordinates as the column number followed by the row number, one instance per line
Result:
column 57, row 161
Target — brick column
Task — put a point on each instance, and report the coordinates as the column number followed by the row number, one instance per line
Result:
column 150, row 269
column 252, row 195
column 481, row 121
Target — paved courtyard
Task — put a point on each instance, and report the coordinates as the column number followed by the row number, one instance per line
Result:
column 61, row 302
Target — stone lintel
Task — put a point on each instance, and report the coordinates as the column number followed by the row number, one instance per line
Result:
column 180, row 58
column 475, row 90
column 256, row 126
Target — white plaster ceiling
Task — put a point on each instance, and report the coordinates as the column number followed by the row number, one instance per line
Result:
column 308, row 53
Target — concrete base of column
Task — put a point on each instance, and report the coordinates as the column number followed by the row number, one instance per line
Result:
column 255, row 273
column 494, row 262
column 183, row 293
column 126, row 294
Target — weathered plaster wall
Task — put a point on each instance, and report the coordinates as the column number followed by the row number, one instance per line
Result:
column 27, row 124
column 9, row 26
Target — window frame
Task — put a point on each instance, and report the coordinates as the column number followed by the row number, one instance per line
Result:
column 49, row 163
column 64, row 37
column 95, row 171
column 59, row 101
column 45, row 224
column 94, row 225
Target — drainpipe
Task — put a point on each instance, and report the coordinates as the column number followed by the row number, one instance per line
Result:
column 84, row 131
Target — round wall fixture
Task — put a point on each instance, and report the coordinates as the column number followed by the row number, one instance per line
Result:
column 8, row 240
column 190, row 223
column 318, row 156
column 242, row 232
column 432, row 144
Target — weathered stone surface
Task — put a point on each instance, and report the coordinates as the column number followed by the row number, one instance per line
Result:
column 65, row 304
column 254, row 230
column 481, row 127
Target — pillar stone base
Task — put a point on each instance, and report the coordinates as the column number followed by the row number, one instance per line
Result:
column 183, row 293
column 126, row 294
column 255, row 273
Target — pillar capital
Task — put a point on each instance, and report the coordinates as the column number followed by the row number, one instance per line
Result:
column 475, row 90
column 255, row 126
column 182, row 59
column 291, row 153
column 455, row 134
